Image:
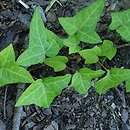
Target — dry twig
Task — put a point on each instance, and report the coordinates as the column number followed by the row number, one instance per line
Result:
column 18, row 110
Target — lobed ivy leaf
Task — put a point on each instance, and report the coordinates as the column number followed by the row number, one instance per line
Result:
column 53, row 49
column 10, row 71
column 114, row 77
column 72, row 42
column 42, row 92
column 41, row 42
column 51, row 35
column 107, row 49
column 83, row 24
column 121, row 23
column 35, row 53
column 55, row 44
column 81, row 80
column 57, row 62
column 91, row 55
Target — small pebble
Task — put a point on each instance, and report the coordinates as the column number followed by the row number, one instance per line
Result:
column 51, row 17
column 113, row 105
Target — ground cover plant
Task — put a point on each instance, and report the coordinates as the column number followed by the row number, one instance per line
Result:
column 44, row 47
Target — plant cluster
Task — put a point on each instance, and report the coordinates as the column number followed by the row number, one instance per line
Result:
column 44, row 47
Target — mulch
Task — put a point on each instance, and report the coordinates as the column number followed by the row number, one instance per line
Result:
column 70, row 110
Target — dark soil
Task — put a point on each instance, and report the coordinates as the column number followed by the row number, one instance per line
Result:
column 70, row 110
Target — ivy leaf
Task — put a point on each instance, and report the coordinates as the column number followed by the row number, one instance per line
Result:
column 53, row 49
column 81, row 80
column 114, row 77
column 83, row 24
column 42, row 92
column 55, row 44
column 35, row 53
column 10, row 71
column 91, row 55
column 41, row 42
column 51, row 35
column 108, row 49
column 57, row 62
column 121, row 23
column 72, row 42
column 128, row 85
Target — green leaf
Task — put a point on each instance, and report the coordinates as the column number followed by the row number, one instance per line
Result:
column 114, row 77
column 91, row 55
column 83, row 24
column 51, row 35
column 55, row 44
column 128, row 85
column 108, row 49
column 72, row 42
column 41, row 42
column 81, row 80
column 53, row 49
column 42, row 92
column 10, row 71
column 88, row 35
column 57, row 62
column 35, row 53
column 121, row 23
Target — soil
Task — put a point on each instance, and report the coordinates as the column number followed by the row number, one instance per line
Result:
column 70, row 110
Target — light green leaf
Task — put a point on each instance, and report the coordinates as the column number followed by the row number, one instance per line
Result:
column 10, row 71
column 83, row 24
column 114, row 77
column 72, row 42
column 91, row 55
column 7, row 55
column 121, row 23
column 88, row 35
column 74, row 49
column 128, row 85
column 38, row 44
column 53, row 49
column 55, row 44
column 41, row 42
column 42, row 92
column 81, row 80
column 51, row 35
column 57, row 62
column 108, row 49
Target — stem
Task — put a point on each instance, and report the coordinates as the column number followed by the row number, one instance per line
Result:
column 35, row 68
column 5, row 97
column 71, row 69
column 121, row 46
column 103, row 66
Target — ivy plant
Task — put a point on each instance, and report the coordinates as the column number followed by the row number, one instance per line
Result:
column 10, row 71
column 121, row 23
column 44, row 47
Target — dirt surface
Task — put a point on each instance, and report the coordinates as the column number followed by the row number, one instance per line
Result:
column 70, row 110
